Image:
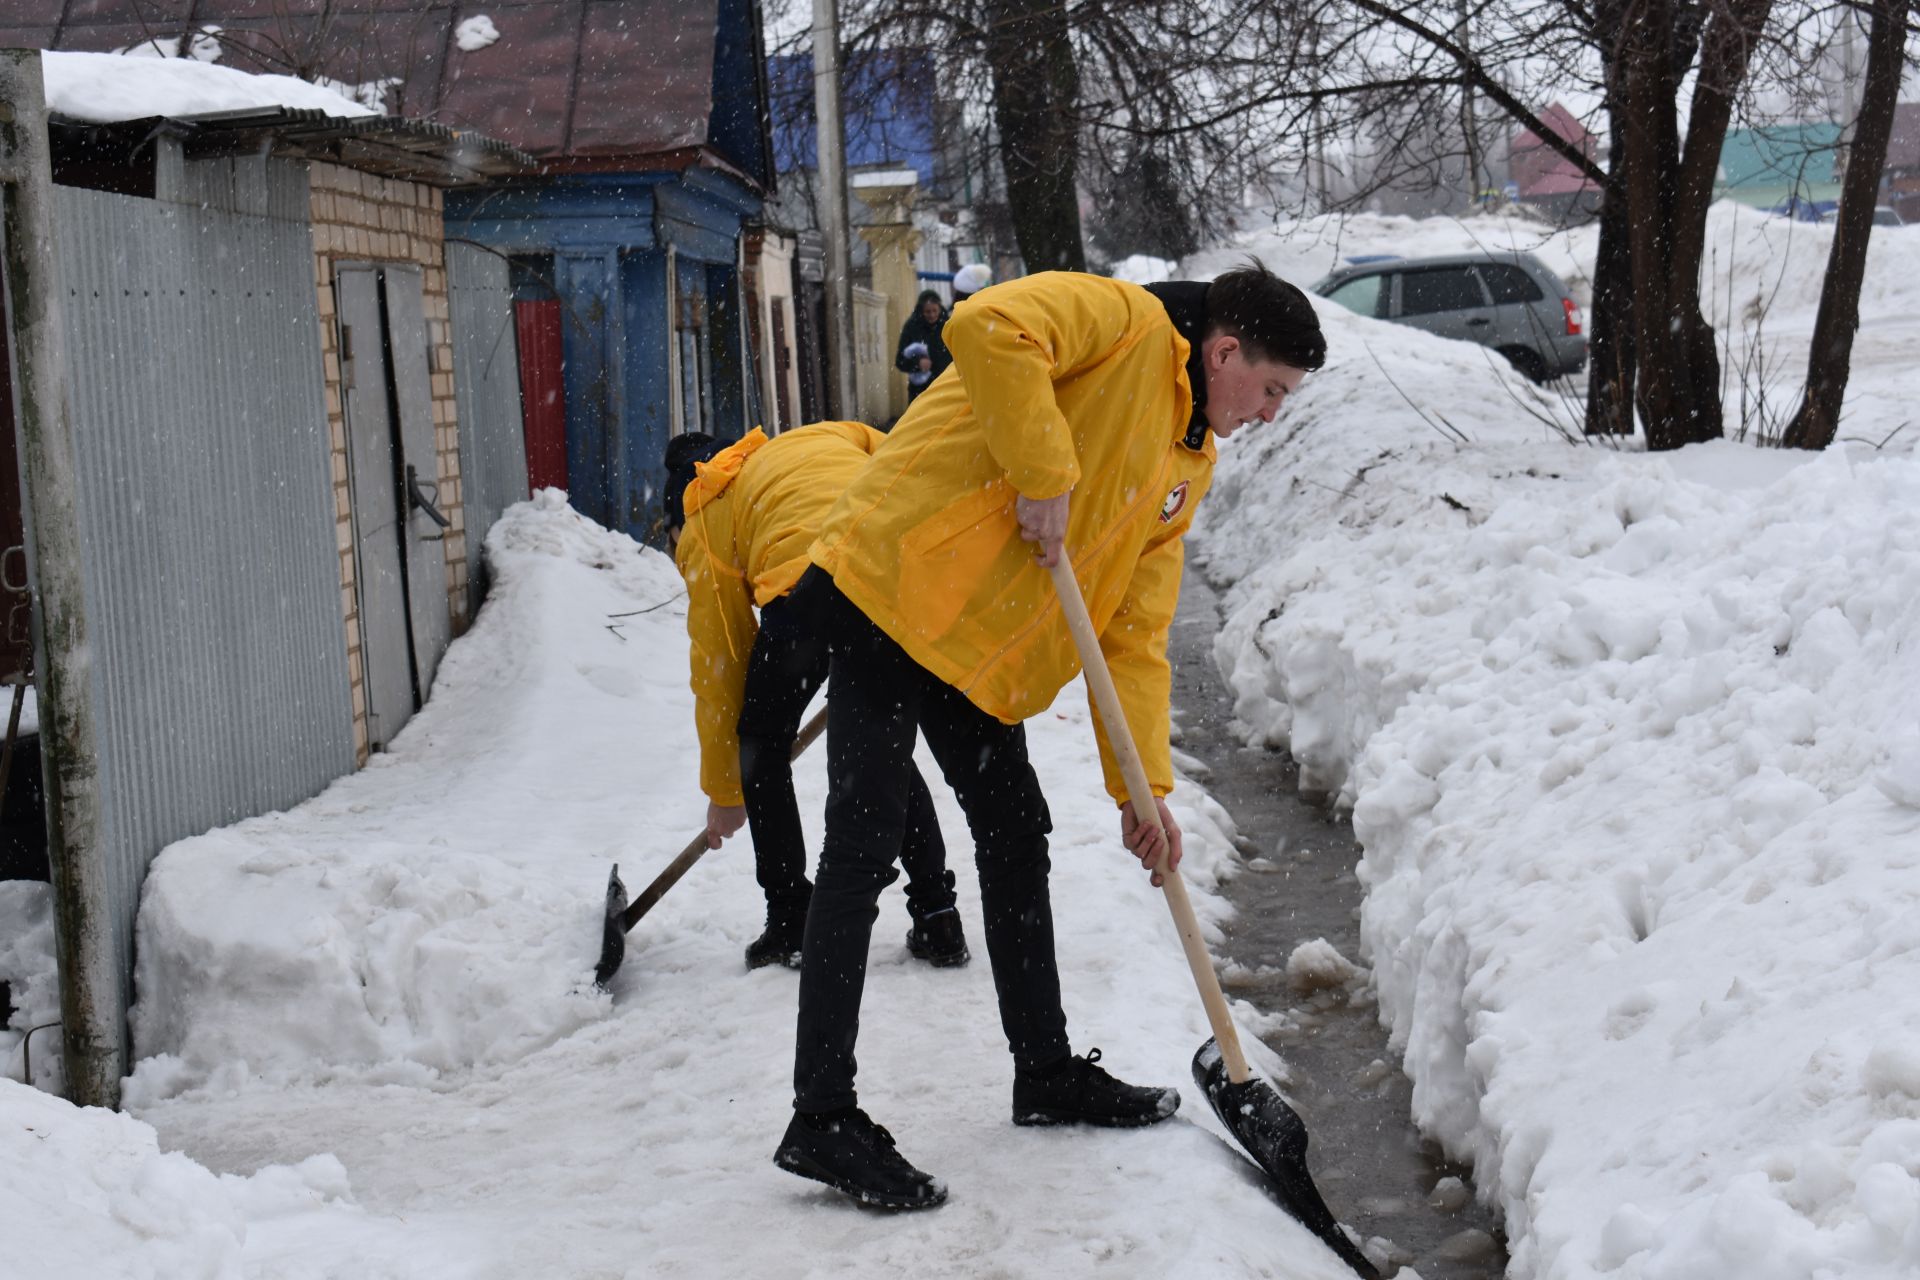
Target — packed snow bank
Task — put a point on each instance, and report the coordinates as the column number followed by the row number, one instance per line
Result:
column 106, row 87
column 28, row 968
column 415, row 906
column 1760, row 289
column 396, row 975
column 1630, row 745
column 88, row 1192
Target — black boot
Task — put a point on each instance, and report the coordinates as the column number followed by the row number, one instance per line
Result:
column 849, row 1152
column 780, row 944
column 1076, row 1091
column 936, row 936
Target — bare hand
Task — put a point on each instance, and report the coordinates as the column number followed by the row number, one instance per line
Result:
column 926, row 363
column 1044, row 520
column 1147, row 843
column 722, row 821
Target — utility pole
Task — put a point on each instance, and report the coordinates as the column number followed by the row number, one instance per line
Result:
column 831, row 144
column 1469, row 124
column 90, row 1005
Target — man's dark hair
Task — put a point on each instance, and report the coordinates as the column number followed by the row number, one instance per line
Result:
column 1272, row 319
column 683, row 451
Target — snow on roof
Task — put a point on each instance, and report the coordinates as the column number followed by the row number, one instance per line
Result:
column 105, row 87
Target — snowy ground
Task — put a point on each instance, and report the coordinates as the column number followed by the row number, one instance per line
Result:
column 370, row 1046
column 1631, row 745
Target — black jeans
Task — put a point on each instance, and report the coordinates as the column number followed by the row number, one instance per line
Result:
column 787, row 667
column 880, row 695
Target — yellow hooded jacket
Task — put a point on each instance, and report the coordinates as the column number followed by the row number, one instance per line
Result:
column 1059, row 381
column 752, row 511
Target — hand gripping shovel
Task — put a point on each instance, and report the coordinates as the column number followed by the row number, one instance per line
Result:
column 621, row 917
column 1270, row 1130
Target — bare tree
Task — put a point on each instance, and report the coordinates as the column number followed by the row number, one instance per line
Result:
column 1838, row 317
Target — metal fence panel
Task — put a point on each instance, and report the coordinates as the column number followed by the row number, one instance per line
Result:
column 486, row 382
column 208, row 523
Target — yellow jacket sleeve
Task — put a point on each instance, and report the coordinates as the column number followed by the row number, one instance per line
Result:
column 1010, row 344
column 720, row 631
column 1135, row 645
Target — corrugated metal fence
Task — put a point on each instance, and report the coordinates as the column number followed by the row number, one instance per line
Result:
column 211, row 558
column 486, row 380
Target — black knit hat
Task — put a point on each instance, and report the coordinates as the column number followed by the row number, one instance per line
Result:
column 683, row 451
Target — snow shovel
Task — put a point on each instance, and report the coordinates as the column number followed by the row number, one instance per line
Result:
column 621, row 917
column 1259, row 1120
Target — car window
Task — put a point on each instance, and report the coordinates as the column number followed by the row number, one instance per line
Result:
column 1509, row 284
column 1439, row 289
column 1360, row 295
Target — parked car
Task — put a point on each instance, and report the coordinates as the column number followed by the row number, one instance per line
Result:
column 1511, row 302
column 1887, row 216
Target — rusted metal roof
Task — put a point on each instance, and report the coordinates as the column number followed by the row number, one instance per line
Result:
column 566, row 80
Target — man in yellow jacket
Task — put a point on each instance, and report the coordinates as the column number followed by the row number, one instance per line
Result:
column 1077, row 419
column 742, row 517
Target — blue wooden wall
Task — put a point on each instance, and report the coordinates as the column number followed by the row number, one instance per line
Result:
column 608, row 236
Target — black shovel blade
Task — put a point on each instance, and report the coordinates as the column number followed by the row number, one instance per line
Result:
column 613, row 934
column 1276, row 1137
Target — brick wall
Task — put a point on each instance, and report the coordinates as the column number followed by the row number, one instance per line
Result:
column 361, row 217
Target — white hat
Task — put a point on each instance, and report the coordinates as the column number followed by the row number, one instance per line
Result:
column 971, row 279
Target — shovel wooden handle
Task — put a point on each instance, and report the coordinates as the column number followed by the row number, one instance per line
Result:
column 698, row 845
column 1120, row 738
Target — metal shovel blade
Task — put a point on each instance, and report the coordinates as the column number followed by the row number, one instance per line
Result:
column 1276, row 1137
column 613, row 935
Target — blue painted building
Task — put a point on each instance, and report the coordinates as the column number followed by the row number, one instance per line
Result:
column 630, row 249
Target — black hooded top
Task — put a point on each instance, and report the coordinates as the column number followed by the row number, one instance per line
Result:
column 1186, row 304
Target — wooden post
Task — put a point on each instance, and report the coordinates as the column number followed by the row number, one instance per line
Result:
column 89, row 966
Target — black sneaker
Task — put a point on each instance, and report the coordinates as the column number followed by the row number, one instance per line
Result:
column 850, row 1153
column 937, row 938
column 1076, row 1091
column 780, row 944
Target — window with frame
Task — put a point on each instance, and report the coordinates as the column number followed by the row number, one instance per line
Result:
column 1361, row 295
column 1439, row 289
column 1509, row 284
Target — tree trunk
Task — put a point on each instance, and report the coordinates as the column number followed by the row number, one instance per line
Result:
column 1677, row 385
column 1834, row 325
column 1610, row 362
column 1035, row 87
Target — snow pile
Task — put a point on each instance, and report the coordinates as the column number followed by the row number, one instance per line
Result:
column 87, row 1192
column 203, row 46
column 1630, row 744
column 437, row 940
column 475, row 33
column 1760, row 289
column 28, row 968
column 105, row 87
column 1143, row 268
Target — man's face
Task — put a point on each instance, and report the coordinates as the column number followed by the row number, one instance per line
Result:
column 1241, row 388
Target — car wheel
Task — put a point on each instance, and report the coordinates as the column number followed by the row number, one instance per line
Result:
column 1529, row 363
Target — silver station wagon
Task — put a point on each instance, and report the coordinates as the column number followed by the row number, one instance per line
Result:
column 1508, row 301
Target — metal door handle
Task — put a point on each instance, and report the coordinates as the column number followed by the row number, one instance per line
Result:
column 426, row 497
column 7, row 559
column 1479, row 320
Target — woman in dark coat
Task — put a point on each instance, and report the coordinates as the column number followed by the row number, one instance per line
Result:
column 921, row 354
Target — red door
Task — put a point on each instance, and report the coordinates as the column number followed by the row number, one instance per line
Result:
column 543, row 397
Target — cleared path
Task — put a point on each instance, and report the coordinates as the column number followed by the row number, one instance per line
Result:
column 1377, row 1173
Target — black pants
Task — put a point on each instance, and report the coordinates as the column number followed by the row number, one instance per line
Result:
column 880, row 695
column 787, row 667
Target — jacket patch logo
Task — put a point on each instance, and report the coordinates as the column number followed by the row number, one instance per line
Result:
column 1176, row 501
